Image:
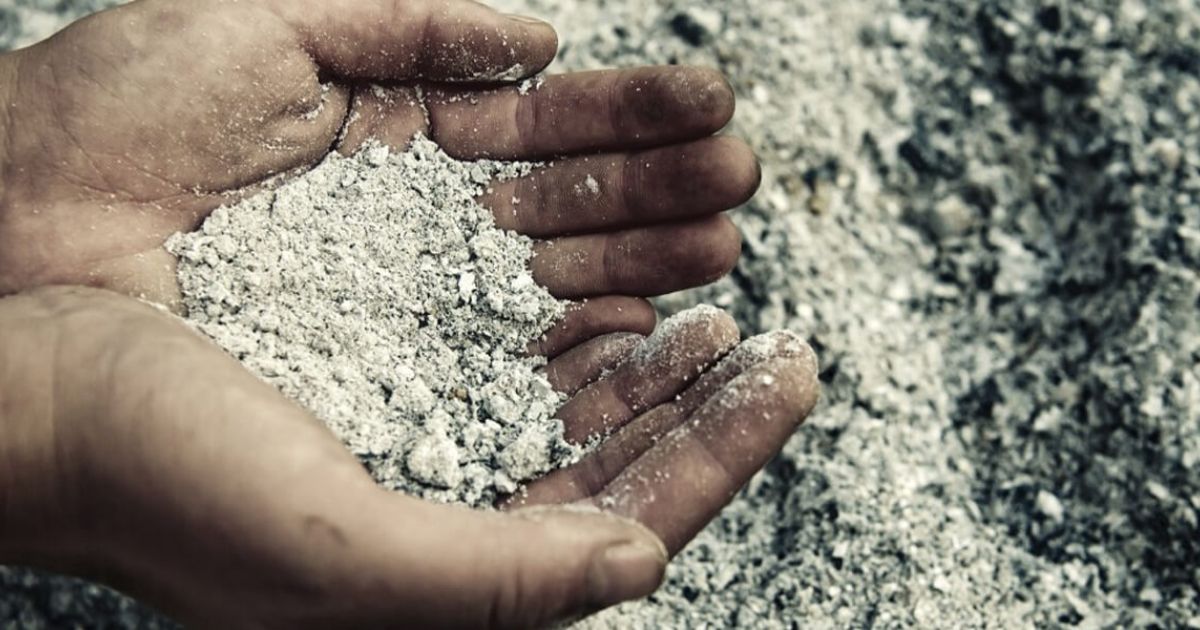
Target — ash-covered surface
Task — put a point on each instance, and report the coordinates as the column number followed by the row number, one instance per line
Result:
column 984, row 213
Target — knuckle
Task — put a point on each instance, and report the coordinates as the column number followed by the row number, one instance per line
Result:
column 514, row 603
column 528, row 116
column 614, row 261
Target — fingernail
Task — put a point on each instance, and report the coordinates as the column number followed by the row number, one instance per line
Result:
column 626, row 571
column 525, row 19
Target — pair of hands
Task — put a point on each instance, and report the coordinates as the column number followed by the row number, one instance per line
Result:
column 139, row 454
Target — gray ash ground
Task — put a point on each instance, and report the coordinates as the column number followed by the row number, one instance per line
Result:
column 985, row 214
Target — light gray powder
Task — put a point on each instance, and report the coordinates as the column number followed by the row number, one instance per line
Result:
column 379, row 294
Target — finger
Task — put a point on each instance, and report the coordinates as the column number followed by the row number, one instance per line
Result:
column 393, row 559
column 437, row 40
column 626, row 190
column 595, row 317
column 677, row 487
column 580, row 366
column 675, row 355
column 644, row 261
column 583, row 112
column 598, row 468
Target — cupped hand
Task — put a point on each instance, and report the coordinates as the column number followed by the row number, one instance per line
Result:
column 150, row 460
column 156, row 463
column 135, row 123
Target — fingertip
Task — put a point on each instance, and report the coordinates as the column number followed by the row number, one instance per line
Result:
column 471, row 42
column 798, row 363
column 640, row 314
column 708, row 93
column 725, row 248
column 729, row 327
column 628, row 558
column 811, row 367
column 704, row 329
column 743, row 170
column 533, row 43
column 533, row 567
column 729, row 168
column 542, row 45
column 626, row 572
column 694, row 101
column 792, row 382
column 716, row 97
column 698, row 252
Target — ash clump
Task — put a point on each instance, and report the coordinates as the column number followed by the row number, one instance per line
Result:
column 375, row 291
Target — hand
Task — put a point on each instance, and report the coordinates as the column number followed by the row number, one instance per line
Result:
column 140, row 454
column 144, row 457
column 137, row 122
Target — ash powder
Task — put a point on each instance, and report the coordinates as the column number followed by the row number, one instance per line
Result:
column 376, row 292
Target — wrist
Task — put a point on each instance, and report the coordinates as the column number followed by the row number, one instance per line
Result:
column 33, row 492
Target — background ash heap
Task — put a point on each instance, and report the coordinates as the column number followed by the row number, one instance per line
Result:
column 984, row 213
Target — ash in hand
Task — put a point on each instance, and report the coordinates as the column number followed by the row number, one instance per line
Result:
column 375, row 291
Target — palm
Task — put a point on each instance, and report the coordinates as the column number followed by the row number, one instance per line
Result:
column 247, row 511
column 150, row 133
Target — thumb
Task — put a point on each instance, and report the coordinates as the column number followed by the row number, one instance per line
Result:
column 436, row 40
column 566, row 562
column 434, row 566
